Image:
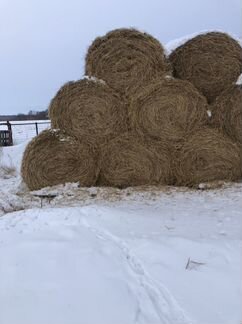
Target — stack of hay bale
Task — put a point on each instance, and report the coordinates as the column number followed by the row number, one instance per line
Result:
column 141, row 118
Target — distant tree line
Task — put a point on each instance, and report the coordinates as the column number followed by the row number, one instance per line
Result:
column 31, row 115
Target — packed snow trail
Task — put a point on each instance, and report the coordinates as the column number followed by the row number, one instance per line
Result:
column 167, row 309
column 59, row 264
column 45, row 252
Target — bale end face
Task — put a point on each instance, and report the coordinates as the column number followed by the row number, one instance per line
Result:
column 211, row 61
column 132, row 161
column 168, row 110
column 53, row 158
column 207, row 156
column 126, row 59
column 227, row 112
column 88, row 109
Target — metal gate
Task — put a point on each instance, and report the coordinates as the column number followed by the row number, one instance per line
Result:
column 6, row 138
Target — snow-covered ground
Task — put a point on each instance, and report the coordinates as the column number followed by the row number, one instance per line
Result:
column 144, row 255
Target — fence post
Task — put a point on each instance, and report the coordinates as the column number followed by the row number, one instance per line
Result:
column 36, row 128
column 10, row 132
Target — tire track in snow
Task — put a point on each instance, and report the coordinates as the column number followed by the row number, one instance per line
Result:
column 164, row 304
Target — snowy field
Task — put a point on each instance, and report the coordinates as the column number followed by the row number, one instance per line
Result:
column 147, row 255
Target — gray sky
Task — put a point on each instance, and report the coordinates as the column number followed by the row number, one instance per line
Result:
column 43, row 42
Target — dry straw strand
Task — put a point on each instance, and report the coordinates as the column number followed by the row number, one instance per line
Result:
column 54, row 158
column 132, row 161
column 168, row 109
column 88, row 109
column 126, row 59
column 211, row 61
column 206, row 156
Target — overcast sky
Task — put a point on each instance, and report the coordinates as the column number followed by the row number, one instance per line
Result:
column 43, row 42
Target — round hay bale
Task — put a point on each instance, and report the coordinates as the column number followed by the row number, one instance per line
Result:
column 126, row 59
column 211, row 61
column 54, row 158
column 88, row 109
column 132, row 161
column 206, row 156
column 168, row 109
column 227, row 112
